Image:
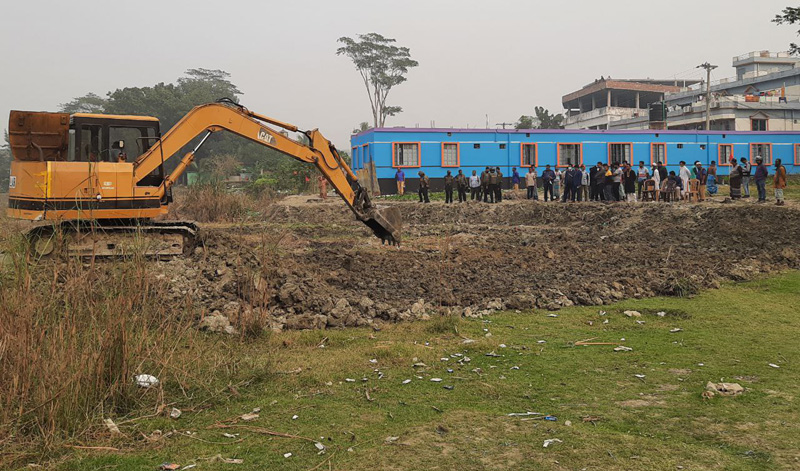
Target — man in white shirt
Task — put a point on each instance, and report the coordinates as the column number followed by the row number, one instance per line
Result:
column 530, row 183
column 685, row 174
column 474, row 187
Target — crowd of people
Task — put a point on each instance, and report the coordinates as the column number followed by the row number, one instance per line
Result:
column 609, row 182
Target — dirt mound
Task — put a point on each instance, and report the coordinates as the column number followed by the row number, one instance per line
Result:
column 314, row 266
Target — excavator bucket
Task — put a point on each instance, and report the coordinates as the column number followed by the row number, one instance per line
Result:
column 385, row 223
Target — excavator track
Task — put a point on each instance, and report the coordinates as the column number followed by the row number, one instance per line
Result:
column 113, row 239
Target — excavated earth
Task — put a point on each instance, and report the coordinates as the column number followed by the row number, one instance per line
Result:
column 312, row 265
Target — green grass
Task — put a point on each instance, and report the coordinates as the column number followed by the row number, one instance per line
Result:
column 658, row 422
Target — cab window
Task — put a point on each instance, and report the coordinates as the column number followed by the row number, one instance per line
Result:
column 129, row 142
column 91, row 143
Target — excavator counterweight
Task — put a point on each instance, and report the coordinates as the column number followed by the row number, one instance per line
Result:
column 109, row 171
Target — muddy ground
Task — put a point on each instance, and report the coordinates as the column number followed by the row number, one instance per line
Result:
column 308, row 264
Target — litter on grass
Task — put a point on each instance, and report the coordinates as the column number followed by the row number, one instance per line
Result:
column 249, row 416
column 111, row 426
column 774, row 365
column 550, row 441
column 725, row 389
column 146, row 381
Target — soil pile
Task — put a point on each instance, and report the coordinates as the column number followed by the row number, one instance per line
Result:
column 314, row 266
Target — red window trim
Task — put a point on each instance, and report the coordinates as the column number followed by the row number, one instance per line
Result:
column 558, row 152
column 608, row 151
column 458, row 154
column 419, row 155
column 752, row 157
column 796, row 157
column 522, row 154
column 652, row 155
column 726, row 163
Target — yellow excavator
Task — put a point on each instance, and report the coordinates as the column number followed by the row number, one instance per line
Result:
column 98, row 176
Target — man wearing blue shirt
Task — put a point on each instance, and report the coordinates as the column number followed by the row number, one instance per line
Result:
column 400, row 177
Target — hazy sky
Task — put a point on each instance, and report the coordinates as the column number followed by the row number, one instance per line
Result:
column 499, row 58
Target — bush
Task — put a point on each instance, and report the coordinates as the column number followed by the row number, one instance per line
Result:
column 72, row 336
column 212, row 202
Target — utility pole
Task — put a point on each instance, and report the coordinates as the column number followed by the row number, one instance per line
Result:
column 709, row 68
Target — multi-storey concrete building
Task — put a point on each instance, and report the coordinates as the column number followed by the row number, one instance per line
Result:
column 601, row 103
column 763, row 96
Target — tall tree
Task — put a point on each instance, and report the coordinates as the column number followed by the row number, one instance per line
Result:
column 364, row 126
column 524, row 122
column 89, row 103
column 542, row 119
column 169, row 102
column 789, row 16
column 382, row 66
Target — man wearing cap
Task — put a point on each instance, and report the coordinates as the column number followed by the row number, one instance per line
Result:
column 424, row 184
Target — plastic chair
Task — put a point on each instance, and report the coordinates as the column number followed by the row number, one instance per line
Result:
column 649, row 191
column 694, row 190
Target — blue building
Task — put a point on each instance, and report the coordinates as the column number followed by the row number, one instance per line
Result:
column 434, row 151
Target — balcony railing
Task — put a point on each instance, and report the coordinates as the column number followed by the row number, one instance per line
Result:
column 767, row 54
column 613, row 112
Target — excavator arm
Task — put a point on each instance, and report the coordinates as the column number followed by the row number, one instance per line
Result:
column 229, row 116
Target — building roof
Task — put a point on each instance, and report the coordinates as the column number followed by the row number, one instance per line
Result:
column 645, row 85
column 564, row 131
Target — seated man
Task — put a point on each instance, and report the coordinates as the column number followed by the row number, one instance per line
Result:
column 671, row 190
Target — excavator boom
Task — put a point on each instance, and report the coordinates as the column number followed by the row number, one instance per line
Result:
column 50, row 180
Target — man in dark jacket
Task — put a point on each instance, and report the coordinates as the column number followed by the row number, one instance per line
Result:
column 485, row 185
column 662, row 172
column 600, row 182
column 569, row 189
column 577, row 177
column 491, row 185
column 761, row 180
column 498, row 190
column 461, row 186
column 448, row 187
column 547, row 181
column 424, row 184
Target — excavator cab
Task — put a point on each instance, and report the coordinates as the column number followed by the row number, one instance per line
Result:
column 65, row 165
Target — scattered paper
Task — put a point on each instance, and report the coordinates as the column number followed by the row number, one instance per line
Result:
column 550, row 441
